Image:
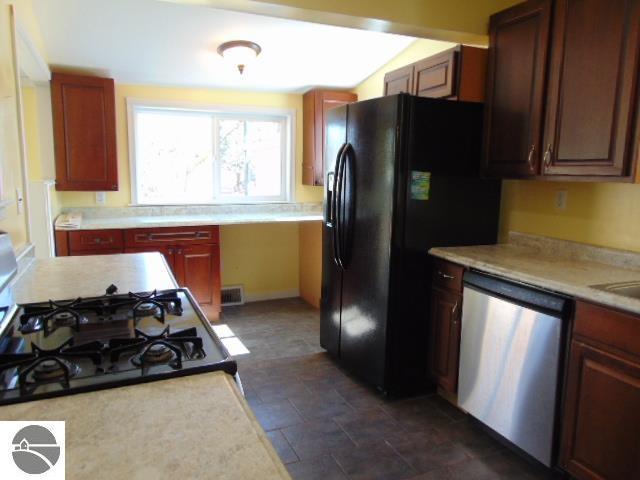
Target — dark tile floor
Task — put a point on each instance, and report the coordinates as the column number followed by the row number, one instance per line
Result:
column 327, row 425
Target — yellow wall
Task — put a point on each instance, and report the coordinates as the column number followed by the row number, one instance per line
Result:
column 311, row 262
column 604, row 214
column 31, row 132
column 10, row 159
column 373, row 86
column 263, row 257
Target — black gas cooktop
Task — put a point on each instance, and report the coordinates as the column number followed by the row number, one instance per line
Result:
column 61, row 347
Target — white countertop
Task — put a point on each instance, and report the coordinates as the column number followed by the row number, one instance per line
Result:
column 108, row 223
column 62, row 278
column 565, row 267
column 197, row 426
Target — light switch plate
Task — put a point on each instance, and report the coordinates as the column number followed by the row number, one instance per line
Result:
column 101, row 198
column 561, row 199
column 19, row 201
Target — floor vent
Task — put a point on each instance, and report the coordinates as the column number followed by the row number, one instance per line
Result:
column 233, row 295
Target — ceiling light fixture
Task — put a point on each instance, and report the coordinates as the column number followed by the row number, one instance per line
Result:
column 240, row 52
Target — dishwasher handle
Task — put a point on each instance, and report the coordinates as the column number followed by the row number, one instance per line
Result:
column 525, row 295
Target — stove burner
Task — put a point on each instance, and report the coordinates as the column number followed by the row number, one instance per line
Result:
column 148, row 309
column 165, row 347
column 155, row 354
column 44, row 366
column 52, row 369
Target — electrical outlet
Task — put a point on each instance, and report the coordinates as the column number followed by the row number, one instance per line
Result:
column 101, row 198
column 561, row 200
column 19, row 201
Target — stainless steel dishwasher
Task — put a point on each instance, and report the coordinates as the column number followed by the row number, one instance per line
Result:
column 510, row 355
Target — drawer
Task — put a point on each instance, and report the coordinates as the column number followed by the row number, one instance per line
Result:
column 606, row 326
column 95, row 241
column 448, row 275
column 140, row 237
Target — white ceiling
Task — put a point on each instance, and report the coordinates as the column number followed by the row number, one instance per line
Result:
column 154, row 42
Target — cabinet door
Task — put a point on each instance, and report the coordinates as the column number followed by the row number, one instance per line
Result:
column 592, row 88
column 518, row 44
column 167, row 252
column 84, row 132
column 601, row 426
column 399, row 81
column 198, row 267
column 316, row 104
column 435, row 77
column 445, row 338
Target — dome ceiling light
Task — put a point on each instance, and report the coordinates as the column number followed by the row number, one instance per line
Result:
column 239, row 52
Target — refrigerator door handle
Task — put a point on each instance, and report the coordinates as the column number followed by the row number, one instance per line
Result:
column 336, row 205
column 347, row 204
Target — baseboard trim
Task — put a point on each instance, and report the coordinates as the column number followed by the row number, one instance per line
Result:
column 259, row 297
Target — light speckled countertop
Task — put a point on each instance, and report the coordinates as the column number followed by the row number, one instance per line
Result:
column 195, row 220
column 188, row 427
column 565, row 267
column 62, row 278
column 193, row 215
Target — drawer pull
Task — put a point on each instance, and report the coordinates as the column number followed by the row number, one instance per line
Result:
column 445, row 276
column 100, row 241
column 168, row 236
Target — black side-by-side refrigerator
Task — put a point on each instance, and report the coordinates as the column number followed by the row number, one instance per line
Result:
column 402, row 177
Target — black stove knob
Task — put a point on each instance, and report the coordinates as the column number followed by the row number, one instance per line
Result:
column 111, row 289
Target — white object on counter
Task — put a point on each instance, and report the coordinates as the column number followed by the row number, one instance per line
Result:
column 69, row 221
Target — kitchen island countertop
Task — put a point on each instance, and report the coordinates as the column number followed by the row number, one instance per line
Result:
column 62, row 278
column 196, row 426
column 562, row 266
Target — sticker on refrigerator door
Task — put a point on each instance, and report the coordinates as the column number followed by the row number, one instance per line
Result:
column 420, row 184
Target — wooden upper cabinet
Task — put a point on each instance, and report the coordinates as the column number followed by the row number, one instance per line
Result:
column 84, row 132
column 316, row 103
column 593, row 97
column 456, row 74
column 518, row 39
column 399, row 81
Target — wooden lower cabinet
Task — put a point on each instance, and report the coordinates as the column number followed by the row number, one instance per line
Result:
column 197, row 267
column 445, row 338
column 601, row 419
column 167, row 252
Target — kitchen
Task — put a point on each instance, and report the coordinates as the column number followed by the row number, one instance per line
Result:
column 462, row 304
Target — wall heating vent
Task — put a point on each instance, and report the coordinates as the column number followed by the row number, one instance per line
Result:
column 233, row 295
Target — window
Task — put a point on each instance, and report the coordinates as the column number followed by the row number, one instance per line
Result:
column 187, row 155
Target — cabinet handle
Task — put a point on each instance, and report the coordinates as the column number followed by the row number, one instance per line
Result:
column 547, row 156
column 179, row 251
column 453, row 313
column 530, row 157
column 100, row 240
column 171, row 251
column 445, row 276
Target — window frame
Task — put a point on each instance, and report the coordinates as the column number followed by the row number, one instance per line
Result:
column 285, row 115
